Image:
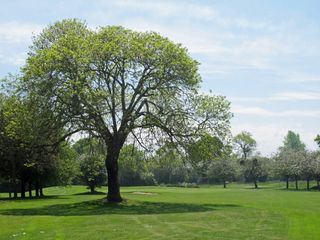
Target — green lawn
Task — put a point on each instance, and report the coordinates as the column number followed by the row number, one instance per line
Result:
column 238, row 212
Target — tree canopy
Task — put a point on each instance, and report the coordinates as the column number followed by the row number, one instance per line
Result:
column 245, row 144
column 118, row 84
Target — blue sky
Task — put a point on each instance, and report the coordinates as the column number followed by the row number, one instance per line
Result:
column 264, row 56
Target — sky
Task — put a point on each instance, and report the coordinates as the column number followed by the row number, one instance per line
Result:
column 263, row 55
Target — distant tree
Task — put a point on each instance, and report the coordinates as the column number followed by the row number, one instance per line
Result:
column 294, row 148
column 203, row 152
column 284, row 165
column 254, row 169
column 317, row 139
column 223, row 169
column 68, row 167
column 91, row 155
column 317, row 169
column 292, row 142
column 245, row 144
column 133, row 167
column 168, row 166
column 308, row 166
column 297, row 166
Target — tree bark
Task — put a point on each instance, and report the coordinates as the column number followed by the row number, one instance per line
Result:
column 224, row 184
column 15, row 191
column 318, row 183
column 30, row 189
column 308, row 184
column 41, row 191
column 92, row 187
column 113, row 181
column 113, row 176
column 287, row 182
column 296, row 180
column 114, row 144
column 255, row 184
column 23, row 188
column 37, row 188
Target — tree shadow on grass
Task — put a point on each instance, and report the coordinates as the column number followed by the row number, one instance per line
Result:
column 32, row 198
column 101, row 207
column 90, row 193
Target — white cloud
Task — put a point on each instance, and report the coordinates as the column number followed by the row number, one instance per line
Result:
column 258, row 111
column 281, row 97
column 289, row 96
column 17, row 32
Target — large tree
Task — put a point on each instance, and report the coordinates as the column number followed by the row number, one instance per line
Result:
column 120, row 84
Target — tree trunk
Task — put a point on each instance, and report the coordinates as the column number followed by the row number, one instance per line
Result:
column 308, row 184
column 10, row 195
column 30, row 189
column 113, row 176
column 23, row 188
column 287, row 182
column 224, row 184
column 41, row 192
column 92, row 187
column 15, row 191
column 318, row 183
column 37, row 188
column 296, row 180
column 255, row 183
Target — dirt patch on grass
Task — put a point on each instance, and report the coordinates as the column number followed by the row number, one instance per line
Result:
column 144, row 193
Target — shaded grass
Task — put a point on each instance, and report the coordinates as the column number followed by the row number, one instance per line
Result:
column 101, row 207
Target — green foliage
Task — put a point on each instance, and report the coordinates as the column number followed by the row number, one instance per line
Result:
column 292, row 142
column 254, row 169
column 317, row 139
column 203, row 152
column 91, row 157
column 114, row 82
column 67, row 165
column 223, row 170
column 134, row 168
column 245, row 144
column 168, row 166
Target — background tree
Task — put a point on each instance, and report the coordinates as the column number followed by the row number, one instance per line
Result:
column 202, row 153
column 223, row 170
column 317, row 169
column 284, row 165
column 168, row 166
column 317, row 139
column 254, row 169
column 67, row 166
column 308, row 162
column 91, row 154
column 116, row 83
column 292, row 142
column 295, row 149
column 245, row 144
column 133, row 167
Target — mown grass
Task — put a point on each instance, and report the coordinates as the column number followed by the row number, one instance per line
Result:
column 209, row 212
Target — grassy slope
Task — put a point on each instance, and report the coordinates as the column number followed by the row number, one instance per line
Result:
column 170, row 213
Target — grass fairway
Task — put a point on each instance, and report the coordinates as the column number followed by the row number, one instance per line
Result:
column 238, row 212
